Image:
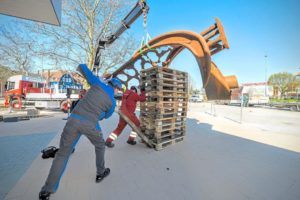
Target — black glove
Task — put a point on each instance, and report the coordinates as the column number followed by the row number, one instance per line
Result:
column 142, row 88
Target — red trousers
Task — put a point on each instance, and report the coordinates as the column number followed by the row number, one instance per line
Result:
column 121, row 125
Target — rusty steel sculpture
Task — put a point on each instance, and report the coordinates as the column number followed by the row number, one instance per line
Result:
column 162, row 50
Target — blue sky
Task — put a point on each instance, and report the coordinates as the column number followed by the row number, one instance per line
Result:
column 254, row 28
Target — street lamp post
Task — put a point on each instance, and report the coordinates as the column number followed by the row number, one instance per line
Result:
column 266, row 75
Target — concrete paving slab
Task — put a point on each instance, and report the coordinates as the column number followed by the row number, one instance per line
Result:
column 210, row 164
column 17, row 154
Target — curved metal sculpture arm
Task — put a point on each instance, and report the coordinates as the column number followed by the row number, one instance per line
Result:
column 201, row 46
column 186, row 39
column 215, row 38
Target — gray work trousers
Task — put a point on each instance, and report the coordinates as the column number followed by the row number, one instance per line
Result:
column 73, row 129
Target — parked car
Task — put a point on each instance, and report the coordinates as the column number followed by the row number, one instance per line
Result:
column 196, row 98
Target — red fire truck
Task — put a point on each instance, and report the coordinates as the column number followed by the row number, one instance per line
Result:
column 23, row 91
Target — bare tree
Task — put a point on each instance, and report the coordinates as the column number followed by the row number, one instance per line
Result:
column 16, row 49
column 26, row 45
column 83, row 23
column 191, row 84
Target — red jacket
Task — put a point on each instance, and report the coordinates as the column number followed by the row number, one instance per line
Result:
column 130, row 99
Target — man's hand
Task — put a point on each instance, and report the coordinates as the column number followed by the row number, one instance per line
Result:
column 106, row 76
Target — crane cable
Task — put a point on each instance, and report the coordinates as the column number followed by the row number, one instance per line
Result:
column 146, row 38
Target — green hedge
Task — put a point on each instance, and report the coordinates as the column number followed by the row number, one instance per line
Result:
column 284, row 100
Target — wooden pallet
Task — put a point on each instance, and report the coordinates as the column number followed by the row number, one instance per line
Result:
column 165, row 99
column 163, row 79
column 164, row 144
column 153, row 115
column 165, row 137
column 156, row 80
column 163, row 114
column 159, row 88
column 162, row 75
column 160, row 131
column 156, row 74
column 163, row 71
column 164, row 82
column 164, row 93
column 164, row 121
column 163, row 127
column 172, row 82
column 153, row 110
column 159, row 122
column 168, row 135
column 157, row 131
column 180, row 102
column 164, row 105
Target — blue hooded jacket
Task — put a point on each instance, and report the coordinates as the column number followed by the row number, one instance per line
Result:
column 99, row 101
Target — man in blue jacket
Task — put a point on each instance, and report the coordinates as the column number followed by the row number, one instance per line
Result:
column 97, row 104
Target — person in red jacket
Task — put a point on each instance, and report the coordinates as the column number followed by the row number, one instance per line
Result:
column 128, row 106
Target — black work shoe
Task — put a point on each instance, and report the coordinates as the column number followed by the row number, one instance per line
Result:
column 100, row 177
column 132, row 142
column 44, row 195
column 109, row 144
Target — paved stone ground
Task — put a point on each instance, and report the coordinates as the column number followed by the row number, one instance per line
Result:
column 279, row 128
column 219, row 159
column 20, row 144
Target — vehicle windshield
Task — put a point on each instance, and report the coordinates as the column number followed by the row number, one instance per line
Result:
column 9, row 85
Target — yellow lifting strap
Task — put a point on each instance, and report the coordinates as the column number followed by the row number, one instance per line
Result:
column 146, row 38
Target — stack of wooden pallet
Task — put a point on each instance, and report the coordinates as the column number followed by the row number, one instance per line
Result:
column 163, row 115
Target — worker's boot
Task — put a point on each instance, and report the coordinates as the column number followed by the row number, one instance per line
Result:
column 132, row 142
column 100, row 177
column 44, row 195
column 109, row 144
